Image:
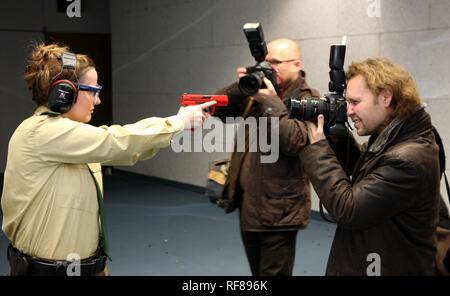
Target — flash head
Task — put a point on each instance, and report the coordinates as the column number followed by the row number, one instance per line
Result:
column 255, row 37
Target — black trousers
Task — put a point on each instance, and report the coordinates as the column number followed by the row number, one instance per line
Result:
column 270, row 253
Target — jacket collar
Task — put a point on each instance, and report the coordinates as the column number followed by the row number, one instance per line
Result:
column 398, row 129
column 41, row 109
column 295, row 87
column 382, row 139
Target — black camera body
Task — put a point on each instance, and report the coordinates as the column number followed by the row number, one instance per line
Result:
column 253, row 80
column 333, row 105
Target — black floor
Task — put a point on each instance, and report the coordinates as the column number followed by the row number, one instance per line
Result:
column 156, row 228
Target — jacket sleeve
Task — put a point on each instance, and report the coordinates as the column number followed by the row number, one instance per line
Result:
column 346, row 149
column 67, row 141
column 293, row 134
column 380, row 195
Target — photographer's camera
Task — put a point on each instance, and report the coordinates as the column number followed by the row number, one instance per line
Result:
column 253, row 80
column 333, row 106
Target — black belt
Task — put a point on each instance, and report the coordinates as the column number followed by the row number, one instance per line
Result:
column 23, row 264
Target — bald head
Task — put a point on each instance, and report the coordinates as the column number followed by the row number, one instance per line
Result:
column 286, row 48
column 285, row 58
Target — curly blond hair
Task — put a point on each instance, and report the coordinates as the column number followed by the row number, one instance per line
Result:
column 381, row 74
column 44, row 67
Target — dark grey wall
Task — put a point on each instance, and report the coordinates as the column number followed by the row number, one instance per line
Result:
column 22, row 22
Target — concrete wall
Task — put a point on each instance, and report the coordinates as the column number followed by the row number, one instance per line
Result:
column 22, row 22
column 164, row 48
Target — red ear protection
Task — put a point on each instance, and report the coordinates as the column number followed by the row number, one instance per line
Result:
column 62, row 95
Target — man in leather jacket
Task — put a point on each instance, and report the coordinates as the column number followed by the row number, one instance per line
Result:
column 273, row 198
column 387, row 209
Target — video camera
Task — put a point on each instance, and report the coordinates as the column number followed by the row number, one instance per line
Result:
column 253, row 80
column 197, row 99
column 333, row 106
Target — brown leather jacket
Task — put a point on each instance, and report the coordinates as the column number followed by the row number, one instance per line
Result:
column 271, row 196
column 390, row 205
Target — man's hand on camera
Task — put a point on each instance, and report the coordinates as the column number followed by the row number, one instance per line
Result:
column 266, row 94
column 315, row 131
column 193, row 116
column 241, row 71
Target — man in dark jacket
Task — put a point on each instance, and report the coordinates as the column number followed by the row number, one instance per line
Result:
column 387, row 211
column 273, row 198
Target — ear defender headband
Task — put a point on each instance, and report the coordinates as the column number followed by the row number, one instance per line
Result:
column 63, row 92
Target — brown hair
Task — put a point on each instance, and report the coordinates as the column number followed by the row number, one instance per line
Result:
column 45, row 67
column 381, row 74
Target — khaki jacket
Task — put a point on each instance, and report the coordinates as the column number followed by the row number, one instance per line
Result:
column 49, row 199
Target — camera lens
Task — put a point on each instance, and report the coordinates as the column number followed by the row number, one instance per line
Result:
column 294, row 107
column 306, row 109
column 250, row 84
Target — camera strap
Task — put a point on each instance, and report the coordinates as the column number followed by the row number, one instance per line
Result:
column 249, row 105
column 448, row 187
column 438, row 139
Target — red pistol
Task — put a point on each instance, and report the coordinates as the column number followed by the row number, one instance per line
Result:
column 197, row 99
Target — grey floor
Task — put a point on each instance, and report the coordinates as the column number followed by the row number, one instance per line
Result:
column 158, row 229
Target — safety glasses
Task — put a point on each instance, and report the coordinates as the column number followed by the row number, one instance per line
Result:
column 93, row 89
